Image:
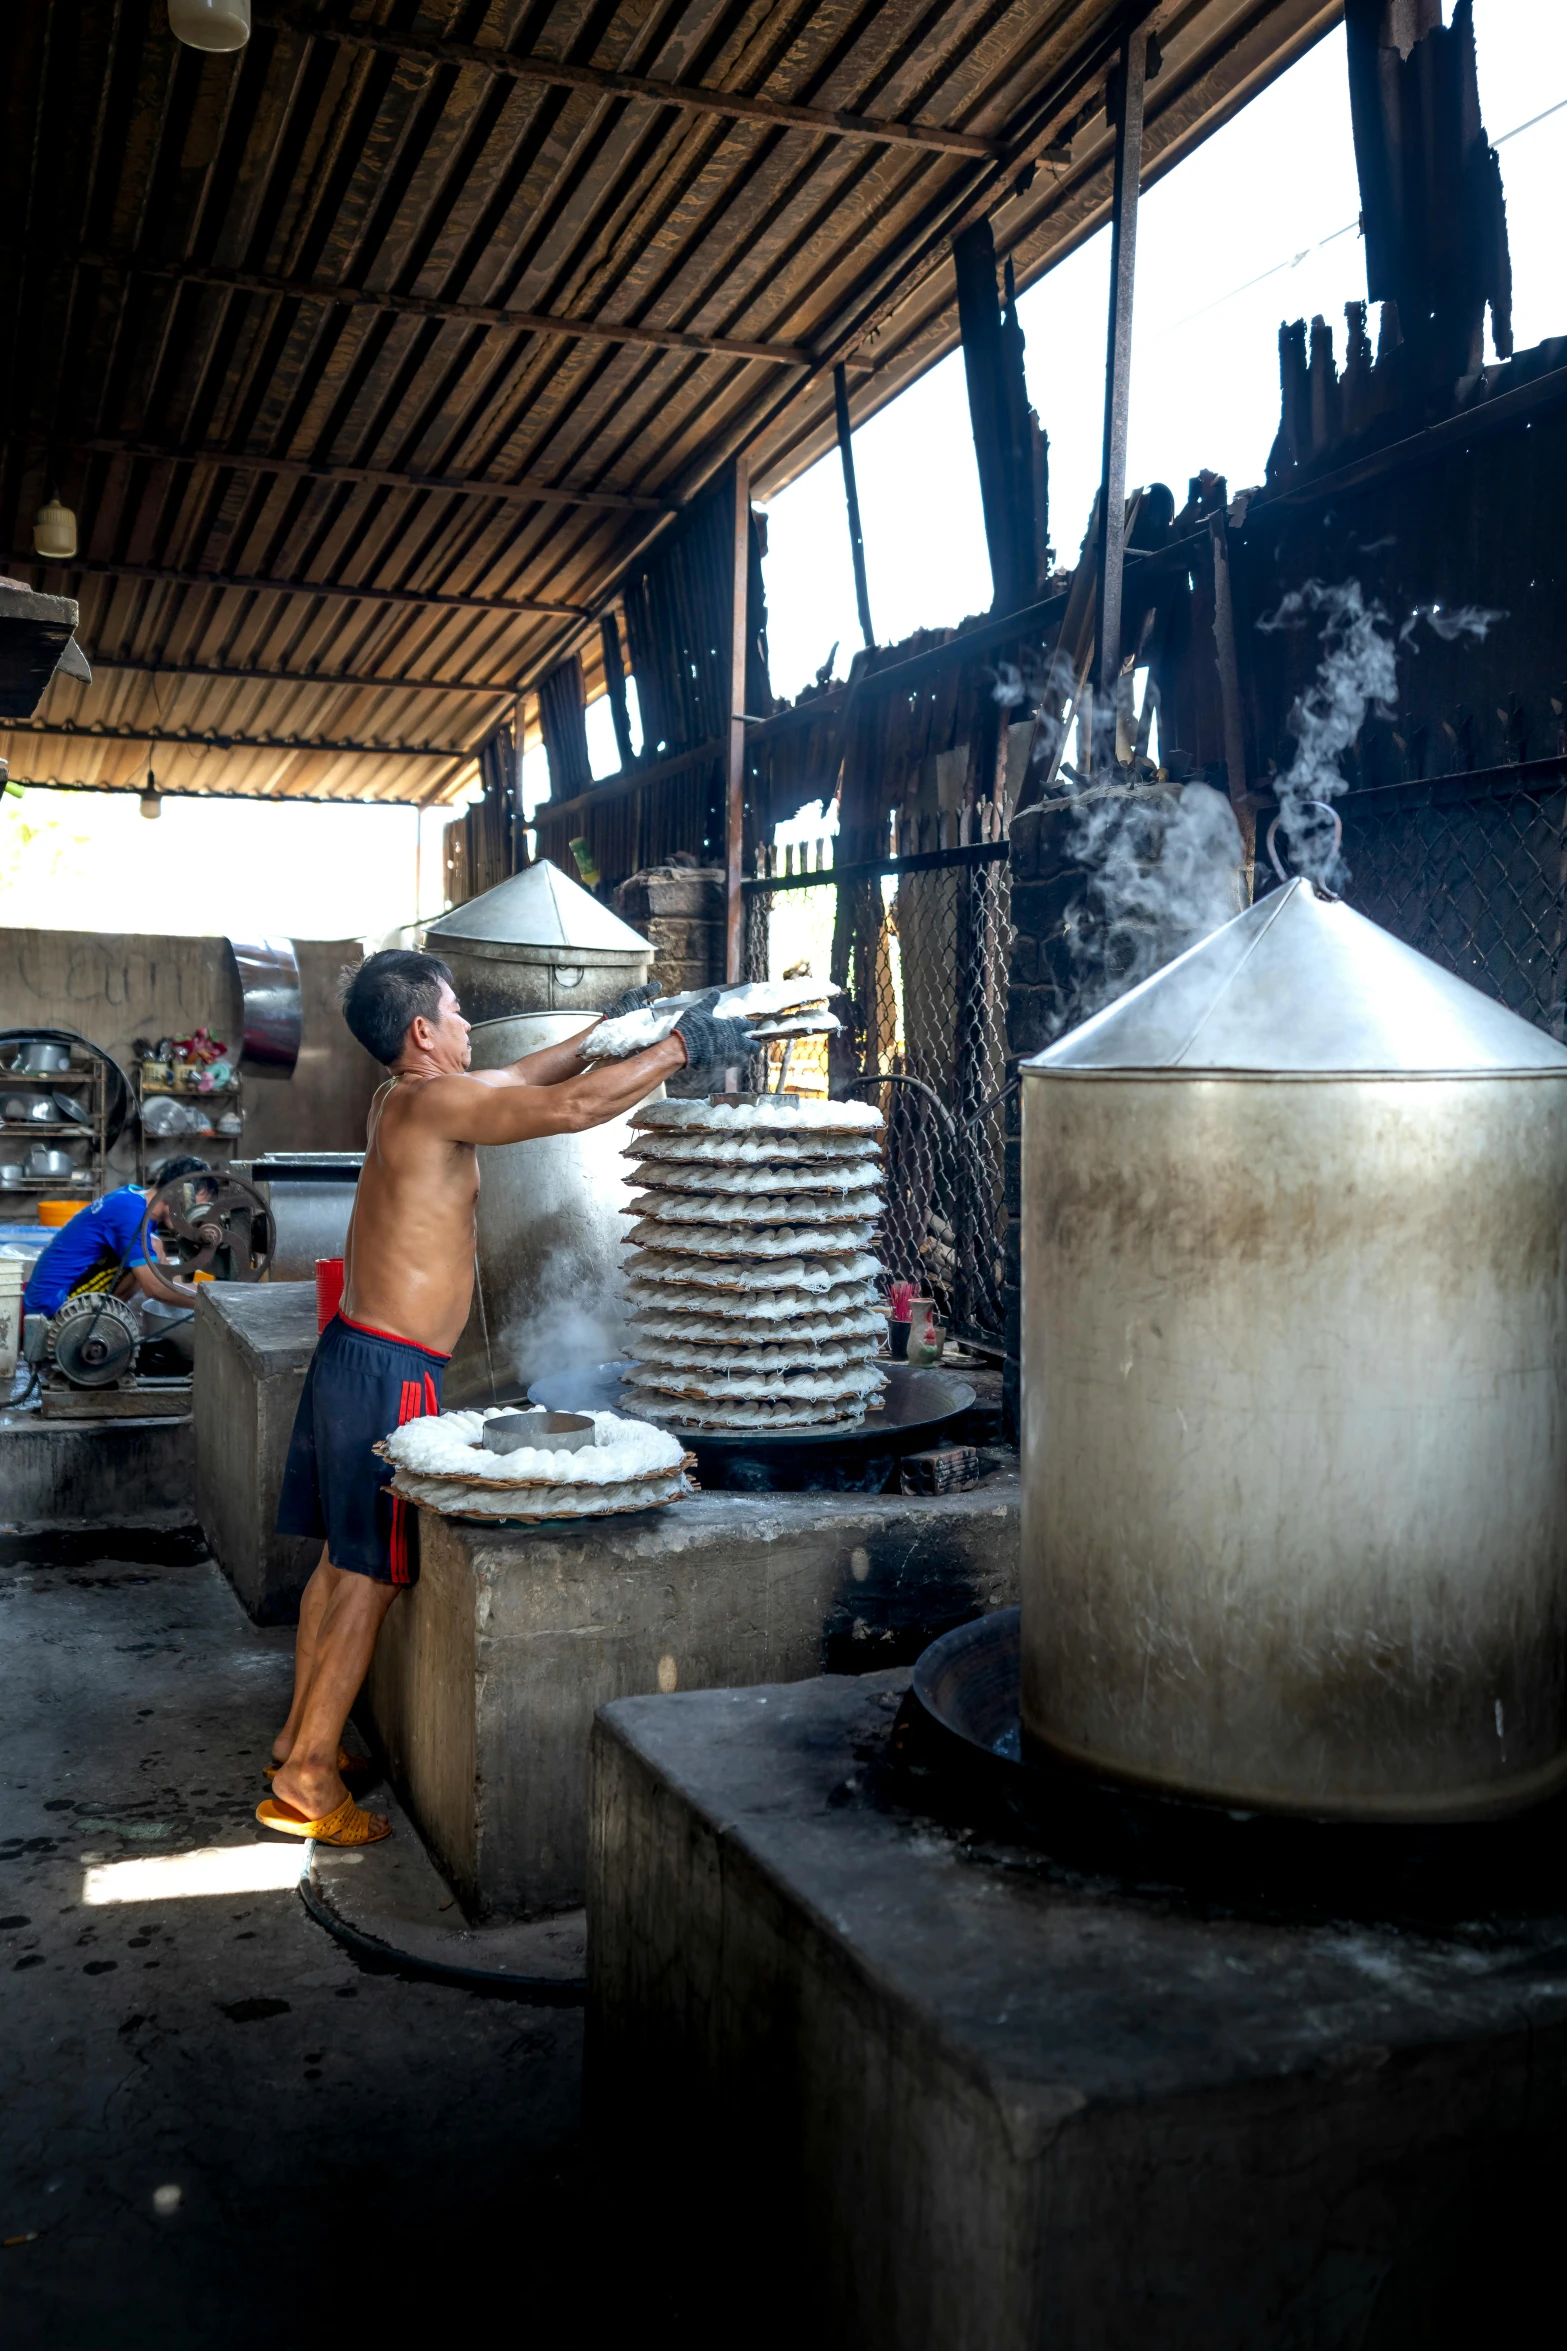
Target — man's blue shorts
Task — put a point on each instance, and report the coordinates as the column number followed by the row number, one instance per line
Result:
column 361, row 1385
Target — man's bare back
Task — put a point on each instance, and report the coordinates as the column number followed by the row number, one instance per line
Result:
column 409, row 1255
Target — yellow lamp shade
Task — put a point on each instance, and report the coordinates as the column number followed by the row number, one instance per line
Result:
column 210, row 24
column 54, row 531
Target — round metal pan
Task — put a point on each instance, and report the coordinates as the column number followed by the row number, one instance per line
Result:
column 916, row 1406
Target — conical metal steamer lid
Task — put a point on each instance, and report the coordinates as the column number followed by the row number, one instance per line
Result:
column 1294, row 1382
column 1299, row 985
column 540, row 907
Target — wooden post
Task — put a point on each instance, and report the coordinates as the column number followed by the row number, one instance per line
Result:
column 851, row 495
column 734, row 961
column 1118, row 371
column 1227, row 655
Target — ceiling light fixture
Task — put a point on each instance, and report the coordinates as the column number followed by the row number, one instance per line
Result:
column 210, row 24
column 54, row 530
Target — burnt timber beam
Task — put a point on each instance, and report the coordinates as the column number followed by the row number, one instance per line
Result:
column 300, row 677
column 1129, row 83
column 597, row 82
column 462, row 314
column 245, row 583
column 523, row 493
column 217, row 741
column 283, row 799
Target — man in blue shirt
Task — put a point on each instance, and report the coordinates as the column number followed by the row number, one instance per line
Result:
column 102, row 1248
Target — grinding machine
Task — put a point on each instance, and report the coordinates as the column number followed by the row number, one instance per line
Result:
column 534, row 961
column 1294, row 1372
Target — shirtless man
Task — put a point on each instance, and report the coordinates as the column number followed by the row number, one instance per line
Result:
column 408, row 1284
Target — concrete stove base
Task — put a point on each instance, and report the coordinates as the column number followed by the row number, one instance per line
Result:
column 254, row 1341
column 63, row 1477
column 487, row 1674
column 944, row 2099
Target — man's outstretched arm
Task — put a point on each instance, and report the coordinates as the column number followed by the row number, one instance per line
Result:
column 474, row 1109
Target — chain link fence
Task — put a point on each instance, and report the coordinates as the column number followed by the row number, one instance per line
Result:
column 1473, row 873
column 919, row 948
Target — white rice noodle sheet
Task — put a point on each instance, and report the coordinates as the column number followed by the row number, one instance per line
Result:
column 634, row 1032
column 717, row 1360
column 688, row 1413
column 809, row 1327
column 814, row 1147
column 754, row 1113
column 770, row 1208
column 750, row 1183
column 461, row 1498
column 794, row 1277
column 801, row 1387
column 805, row 1024
column 447, row 1444
column 764, row 1241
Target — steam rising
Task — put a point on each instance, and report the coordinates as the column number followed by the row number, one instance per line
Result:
column 1164, row 869
column 1357, row 674
column 576, row 1321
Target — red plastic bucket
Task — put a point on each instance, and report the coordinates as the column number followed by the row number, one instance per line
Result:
column 329, row 1289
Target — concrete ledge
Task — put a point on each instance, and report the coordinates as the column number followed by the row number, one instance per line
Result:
column 254, row 1342
column 943, row 2099
column 487, row 1675
column 58, row 1477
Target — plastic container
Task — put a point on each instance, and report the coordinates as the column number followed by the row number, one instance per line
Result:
column 329, row 1289
column 58, row 1212
column 13, row 1276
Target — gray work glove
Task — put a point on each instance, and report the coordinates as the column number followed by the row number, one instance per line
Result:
column 634, row 1000
column 709, row 1043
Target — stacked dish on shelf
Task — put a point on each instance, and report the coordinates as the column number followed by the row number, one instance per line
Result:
column 752, row 1284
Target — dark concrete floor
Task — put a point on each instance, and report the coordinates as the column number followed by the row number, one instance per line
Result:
column 350, row 2149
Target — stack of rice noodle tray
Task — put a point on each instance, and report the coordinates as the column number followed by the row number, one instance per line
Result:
column 445, row 1463
column 752, row 1284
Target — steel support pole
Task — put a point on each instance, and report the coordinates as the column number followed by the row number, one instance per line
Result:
column 734, row 960
column 840, row 393
column 1118, row 371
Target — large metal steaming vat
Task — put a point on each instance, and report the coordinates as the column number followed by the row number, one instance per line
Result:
column 532, row 962
column 1295, row 1380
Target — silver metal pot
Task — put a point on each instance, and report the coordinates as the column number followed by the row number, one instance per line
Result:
column 532, row 962
column 41, row 1161
column 28, row 1110
column 1295, row 1381
column 42, row 1057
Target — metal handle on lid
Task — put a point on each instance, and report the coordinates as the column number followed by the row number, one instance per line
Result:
column 1328, row 810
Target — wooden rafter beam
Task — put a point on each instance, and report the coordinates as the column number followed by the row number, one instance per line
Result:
column 299, row 677
column 523, row 493
column 244, row 583
column 218, row 741
column 462, row 314
column 597, row 82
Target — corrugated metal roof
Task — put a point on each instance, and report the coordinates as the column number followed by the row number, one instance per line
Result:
column 369, row 355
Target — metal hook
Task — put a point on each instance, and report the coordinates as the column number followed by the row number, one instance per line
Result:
column 1328, row 810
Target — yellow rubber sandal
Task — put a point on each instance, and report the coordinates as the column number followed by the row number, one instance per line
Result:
column 349, row 1824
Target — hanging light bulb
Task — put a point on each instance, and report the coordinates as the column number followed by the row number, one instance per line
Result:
column 210, row 24
column 54, row 530
column 151, row 803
